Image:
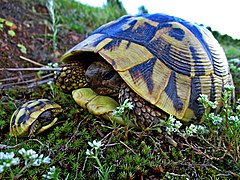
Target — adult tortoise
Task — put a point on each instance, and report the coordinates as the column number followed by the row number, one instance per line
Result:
column 160, row 63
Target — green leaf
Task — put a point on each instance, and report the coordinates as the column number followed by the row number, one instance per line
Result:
column 8, row 23
column 1, row 27
column 22, row 48
column 2, row 20
column 11, row 33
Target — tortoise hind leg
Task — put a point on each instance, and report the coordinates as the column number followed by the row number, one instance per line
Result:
column 144, row 113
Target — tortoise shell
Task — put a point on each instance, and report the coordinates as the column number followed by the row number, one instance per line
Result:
column 24, row 117
column 166, row 60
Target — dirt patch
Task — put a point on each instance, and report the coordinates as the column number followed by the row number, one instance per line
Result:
column 31, row 26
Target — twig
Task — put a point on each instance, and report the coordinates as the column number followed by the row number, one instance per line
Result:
column 31, row 61
column 128, row 147
column 16, row 77
column 26, row 82
column 30, row 69
column 204, row 154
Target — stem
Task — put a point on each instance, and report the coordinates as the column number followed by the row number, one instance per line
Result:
column 20, row 172
column 98, row 162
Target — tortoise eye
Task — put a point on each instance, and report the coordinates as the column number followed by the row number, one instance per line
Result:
column 108, row 75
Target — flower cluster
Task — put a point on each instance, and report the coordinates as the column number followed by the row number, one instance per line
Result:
column 51, row 174
column 215, row 119
column 32, row 158
column 172, row 125
column 206, row 103
column 194, row 129
column 95, row 145
column 125, row 106
column 7, row 159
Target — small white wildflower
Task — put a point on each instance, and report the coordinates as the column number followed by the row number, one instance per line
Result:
column 228, row 87
column 203, row 98
column 50, row 174
column 31, row 154
column 202, row 129
column 89, row 152
column 193, row 128
column 238, row 108
column 2, row 155
column 114, row 112
column 52, row 169
column 95, row 144
column 7, row 164
column 177, row 124
column 37, row 162
column 15, row 161
column 46, row 160
column 1, row 168
column 22, row 151
column 216, row 119
column 213, row 105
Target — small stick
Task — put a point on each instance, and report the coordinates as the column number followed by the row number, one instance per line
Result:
column 128, row 147
column 30, row 69
column 25, row 82
column 31, row 61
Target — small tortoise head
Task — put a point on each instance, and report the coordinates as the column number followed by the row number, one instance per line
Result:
column 99, row 75
column 103, row 79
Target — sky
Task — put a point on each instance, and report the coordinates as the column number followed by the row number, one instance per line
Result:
column 220, row 15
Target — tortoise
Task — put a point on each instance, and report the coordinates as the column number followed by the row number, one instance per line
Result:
column 161, row 63
column 34, row 117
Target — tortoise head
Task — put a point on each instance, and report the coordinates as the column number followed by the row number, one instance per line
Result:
column 98, row 75
column 103, row 79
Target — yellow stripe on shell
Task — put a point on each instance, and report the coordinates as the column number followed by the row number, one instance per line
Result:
column 180, row 50
column 126, row 55
column 140, row 22
column 183, row 88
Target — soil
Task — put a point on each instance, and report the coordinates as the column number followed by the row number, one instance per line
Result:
column 32, row 27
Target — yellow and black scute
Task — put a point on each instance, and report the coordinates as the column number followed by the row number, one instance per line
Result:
column 166, row 60
column 28, row 119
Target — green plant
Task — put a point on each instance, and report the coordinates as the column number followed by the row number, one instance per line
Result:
column 54, row 21
column 93, row 153
column 31, row 158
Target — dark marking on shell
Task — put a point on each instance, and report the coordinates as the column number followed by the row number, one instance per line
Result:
column 171, row 90
column 194, row 104
column 177, row 33
column 144, row 71
column 199, row 70
column 113, row 44
column 213, row 90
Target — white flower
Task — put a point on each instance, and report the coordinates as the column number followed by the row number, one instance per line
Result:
column 89, row 152
column 95, row 144
column 177, row 124
column 2, row 155
column 52, row 169
column 37, row 162
column 203, row 98
column 31, row 154
column 22, row 151
column 1, row 168
column 46, row 160
column 9, row 155
column 15, row 161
